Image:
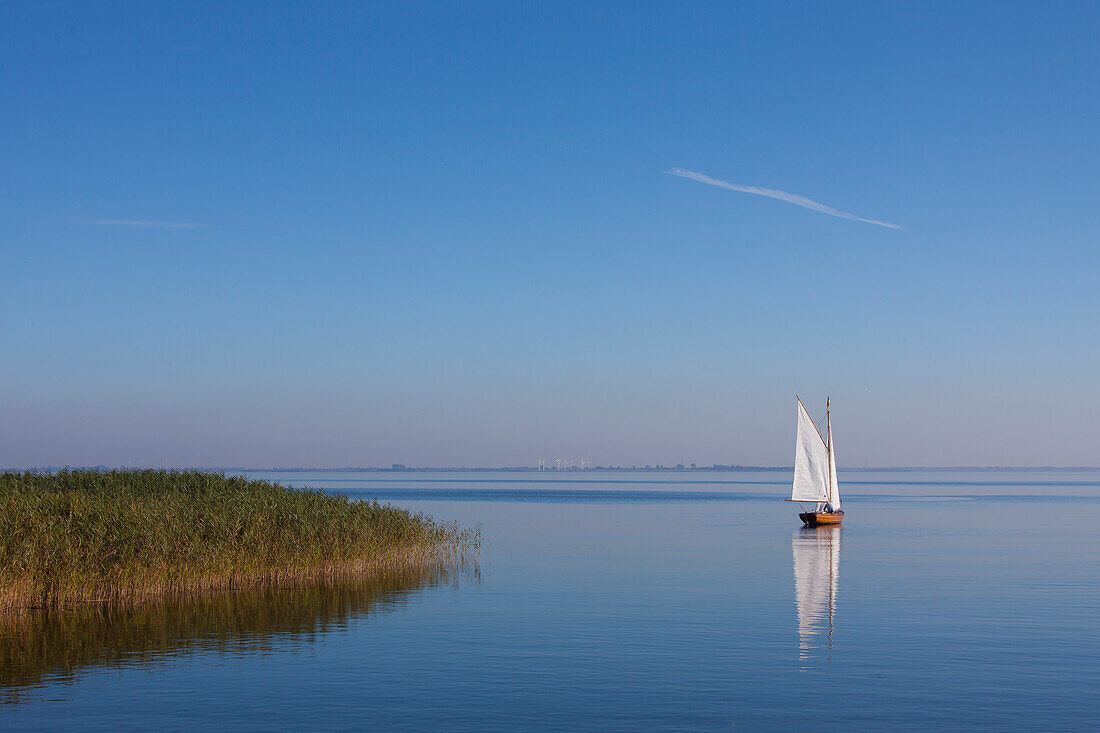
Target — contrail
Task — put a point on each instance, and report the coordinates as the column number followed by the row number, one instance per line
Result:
column 792, row 198
column 157, row 224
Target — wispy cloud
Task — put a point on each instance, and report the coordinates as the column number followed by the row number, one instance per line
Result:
column 791, row 198
column 148, row 224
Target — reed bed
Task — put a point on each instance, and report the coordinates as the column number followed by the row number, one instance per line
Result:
column 81, row 536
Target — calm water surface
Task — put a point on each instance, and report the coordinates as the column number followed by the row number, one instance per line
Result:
column 965, row 600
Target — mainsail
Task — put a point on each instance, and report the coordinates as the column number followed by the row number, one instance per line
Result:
column 811, row 462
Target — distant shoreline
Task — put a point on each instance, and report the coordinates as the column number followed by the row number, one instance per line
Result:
column 534, row 469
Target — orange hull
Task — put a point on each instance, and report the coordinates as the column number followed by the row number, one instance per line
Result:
column 813, row 519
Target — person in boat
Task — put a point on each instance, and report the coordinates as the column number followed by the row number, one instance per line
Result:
column 828, row 508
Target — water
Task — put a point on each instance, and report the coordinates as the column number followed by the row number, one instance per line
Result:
column 966, row 600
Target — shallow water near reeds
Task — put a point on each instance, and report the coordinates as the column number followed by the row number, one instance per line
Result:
column 961, row 600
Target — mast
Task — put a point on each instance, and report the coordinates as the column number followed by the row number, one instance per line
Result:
column 829, row 447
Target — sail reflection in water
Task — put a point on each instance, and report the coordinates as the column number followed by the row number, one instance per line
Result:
column 816, row 573
column 39, row 648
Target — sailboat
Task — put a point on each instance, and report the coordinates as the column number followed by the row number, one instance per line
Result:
column 815, row 471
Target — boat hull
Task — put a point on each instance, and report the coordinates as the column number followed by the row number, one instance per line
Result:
column 815, row 519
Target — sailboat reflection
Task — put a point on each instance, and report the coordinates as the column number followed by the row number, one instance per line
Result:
column 816, row 573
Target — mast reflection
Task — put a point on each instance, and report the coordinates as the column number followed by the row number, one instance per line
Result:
column 816, row 574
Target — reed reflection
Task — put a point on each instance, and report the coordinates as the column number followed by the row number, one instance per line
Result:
column 39, row 647
column 816, row 575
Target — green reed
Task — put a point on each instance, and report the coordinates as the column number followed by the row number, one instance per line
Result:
column 83, row 536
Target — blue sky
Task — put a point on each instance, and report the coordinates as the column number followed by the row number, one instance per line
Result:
column 444, row 234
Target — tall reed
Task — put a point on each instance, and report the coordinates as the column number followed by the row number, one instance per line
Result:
column 79, row 536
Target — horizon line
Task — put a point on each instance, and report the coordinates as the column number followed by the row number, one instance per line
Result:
column 398, row 468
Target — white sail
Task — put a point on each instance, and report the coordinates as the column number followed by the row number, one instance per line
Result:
column 811, row 462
